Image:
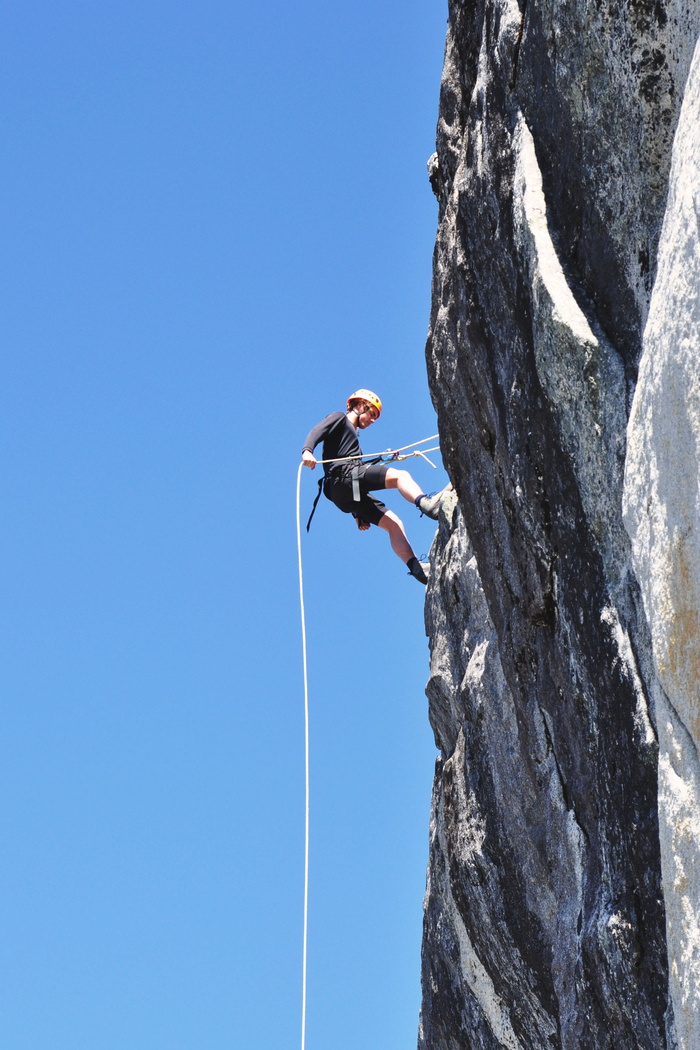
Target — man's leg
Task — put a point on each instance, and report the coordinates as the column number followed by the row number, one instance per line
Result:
column 397, row 536
column 400, row 545
column 410, row 490
column 402, row 480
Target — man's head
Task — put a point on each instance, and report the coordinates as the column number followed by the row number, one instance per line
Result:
column 366, row 406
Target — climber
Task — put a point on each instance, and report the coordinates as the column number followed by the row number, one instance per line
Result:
column 348, row 484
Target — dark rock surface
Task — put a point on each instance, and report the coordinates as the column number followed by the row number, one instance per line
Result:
column 544, row 913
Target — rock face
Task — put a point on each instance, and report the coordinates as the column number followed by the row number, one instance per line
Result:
column 662, row 504
column 557, row 650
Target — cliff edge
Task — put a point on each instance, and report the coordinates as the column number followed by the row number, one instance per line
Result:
column 564, row 364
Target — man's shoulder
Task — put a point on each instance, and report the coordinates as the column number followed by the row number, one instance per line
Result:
column 334, row 418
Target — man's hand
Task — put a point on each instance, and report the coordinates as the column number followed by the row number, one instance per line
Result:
column 308, row 459
column 362, row 524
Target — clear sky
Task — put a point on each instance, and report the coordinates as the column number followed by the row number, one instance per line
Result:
column 216, row 223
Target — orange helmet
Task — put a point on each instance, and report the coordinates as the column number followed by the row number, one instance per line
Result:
column 365, row 395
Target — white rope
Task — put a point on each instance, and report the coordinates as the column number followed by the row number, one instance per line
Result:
column 423, row 455
column 306, row 754
column 386, row 452
column 306, row 697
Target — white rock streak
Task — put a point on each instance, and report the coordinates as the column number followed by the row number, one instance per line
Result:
column 565, row 308
column 581, row 373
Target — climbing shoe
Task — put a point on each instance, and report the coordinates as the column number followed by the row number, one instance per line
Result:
column 418, row 569
column 430, row 505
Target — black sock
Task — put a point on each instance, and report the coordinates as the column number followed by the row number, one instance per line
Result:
column 418, row 499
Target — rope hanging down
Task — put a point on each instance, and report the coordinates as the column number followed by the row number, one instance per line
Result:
column 306, row 765
column 396, row 455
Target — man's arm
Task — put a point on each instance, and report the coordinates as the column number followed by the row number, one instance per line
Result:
column 319, row 432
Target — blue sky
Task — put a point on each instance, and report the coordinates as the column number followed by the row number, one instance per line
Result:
column 216, row 223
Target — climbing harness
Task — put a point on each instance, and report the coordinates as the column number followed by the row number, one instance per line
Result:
column 355, row 475
column 388, row 456
column 378, row 457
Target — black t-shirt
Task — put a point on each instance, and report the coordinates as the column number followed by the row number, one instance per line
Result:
column 339, row 438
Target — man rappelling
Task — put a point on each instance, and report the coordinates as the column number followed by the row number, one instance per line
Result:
column 349, row 484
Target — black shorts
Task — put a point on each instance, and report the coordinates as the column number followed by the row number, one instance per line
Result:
column 338, row 489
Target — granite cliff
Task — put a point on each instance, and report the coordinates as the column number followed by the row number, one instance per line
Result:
column 563, row 894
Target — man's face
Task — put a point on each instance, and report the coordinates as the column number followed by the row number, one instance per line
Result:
column 367, row 414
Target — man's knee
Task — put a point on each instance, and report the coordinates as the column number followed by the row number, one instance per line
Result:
column 391, row 521
column 394, row 476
